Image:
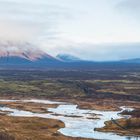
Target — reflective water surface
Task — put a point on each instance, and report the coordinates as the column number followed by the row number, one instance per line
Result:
column 78, row 122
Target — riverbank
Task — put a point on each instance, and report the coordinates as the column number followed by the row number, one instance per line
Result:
column 23, row 128
column 128, row 127
column 83, row 103
column 77, row 122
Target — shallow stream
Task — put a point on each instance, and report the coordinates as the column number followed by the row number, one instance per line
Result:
column 78, row 122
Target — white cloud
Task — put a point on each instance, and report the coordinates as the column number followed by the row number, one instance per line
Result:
column 74, row 26
column 28, row 20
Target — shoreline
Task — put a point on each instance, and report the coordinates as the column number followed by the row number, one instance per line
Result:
column 28, row 107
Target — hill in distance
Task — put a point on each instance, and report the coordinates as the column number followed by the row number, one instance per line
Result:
column 68, row 58
column 24, row 55
column 136, row 60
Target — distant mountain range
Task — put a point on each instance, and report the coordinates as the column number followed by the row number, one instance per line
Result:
column 136, row 60
column 26, row 55
column 68, row 58
column 23, row 54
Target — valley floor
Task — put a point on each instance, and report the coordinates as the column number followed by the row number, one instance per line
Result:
column 94, row 89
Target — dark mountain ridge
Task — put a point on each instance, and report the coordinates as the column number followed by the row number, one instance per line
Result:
column 68, row 58
column 27, row 56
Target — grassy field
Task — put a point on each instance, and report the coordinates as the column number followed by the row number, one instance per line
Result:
column 105, row 89
column 20, row 128
column 129, row 126
column 71, row 84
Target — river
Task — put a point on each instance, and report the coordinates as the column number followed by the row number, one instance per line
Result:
column 78, row 122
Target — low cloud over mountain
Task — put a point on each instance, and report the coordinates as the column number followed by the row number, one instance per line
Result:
column 22, row 50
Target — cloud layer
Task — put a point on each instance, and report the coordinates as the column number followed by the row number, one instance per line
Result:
column 91, row 29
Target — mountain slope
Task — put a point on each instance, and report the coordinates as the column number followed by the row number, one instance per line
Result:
column 68, row 58
column 23, row 53
column 13, row 60
column 136, row 60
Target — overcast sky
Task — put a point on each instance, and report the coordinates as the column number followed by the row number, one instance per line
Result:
column 90, row 29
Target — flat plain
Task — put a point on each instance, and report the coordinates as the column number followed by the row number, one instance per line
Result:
column 100, row 89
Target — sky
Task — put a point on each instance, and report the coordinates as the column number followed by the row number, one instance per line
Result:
column 98, row 30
